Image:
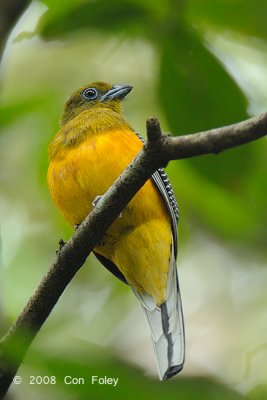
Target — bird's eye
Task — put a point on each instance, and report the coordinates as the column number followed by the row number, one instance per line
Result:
column 90, row 94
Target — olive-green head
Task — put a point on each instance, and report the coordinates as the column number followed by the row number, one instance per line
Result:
column 94, row 95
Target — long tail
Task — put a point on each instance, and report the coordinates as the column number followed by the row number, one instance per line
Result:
column 167, row 327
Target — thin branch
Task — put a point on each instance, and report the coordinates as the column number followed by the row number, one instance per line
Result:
column 156, row 153
column 217, row 140
column 10, row 11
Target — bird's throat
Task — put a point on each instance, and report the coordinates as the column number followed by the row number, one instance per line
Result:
column 87, row 123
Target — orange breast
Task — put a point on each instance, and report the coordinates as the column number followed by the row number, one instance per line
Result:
column 79, row 174
column 138, row 242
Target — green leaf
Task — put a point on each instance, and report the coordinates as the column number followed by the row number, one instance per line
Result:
column 195, row 90
column 243, row 16
column 197, row 94
column 124, row 16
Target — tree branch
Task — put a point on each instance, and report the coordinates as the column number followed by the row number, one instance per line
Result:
column 10, row 11
column 217, row 140
column 156, row 153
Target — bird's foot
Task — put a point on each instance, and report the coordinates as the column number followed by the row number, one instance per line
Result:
column 96, row 201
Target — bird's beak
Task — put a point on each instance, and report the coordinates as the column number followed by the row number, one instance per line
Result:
column 116, row 92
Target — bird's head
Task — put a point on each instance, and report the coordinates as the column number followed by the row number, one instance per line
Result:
column 93, row 96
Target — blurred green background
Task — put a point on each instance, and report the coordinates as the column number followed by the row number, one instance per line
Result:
column 195, row 64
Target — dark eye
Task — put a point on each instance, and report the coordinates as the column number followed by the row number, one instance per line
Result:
column 90, row 94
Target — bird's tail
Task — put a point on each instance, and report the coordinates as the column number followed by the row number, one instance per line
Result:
column 167, row 327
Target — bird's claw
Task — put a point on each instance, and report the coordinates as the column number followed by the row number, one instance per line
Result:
column 96, row 201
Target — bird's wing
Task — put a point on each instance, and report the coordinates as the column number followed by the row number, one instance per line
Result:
column 166, row 320
column 164, row 186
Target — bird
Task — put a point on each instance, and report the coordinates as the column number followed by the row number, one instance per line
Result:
column 91, row 149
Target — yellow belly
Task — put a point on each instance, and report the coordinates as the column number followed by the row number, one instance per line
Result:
column 138, row 242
